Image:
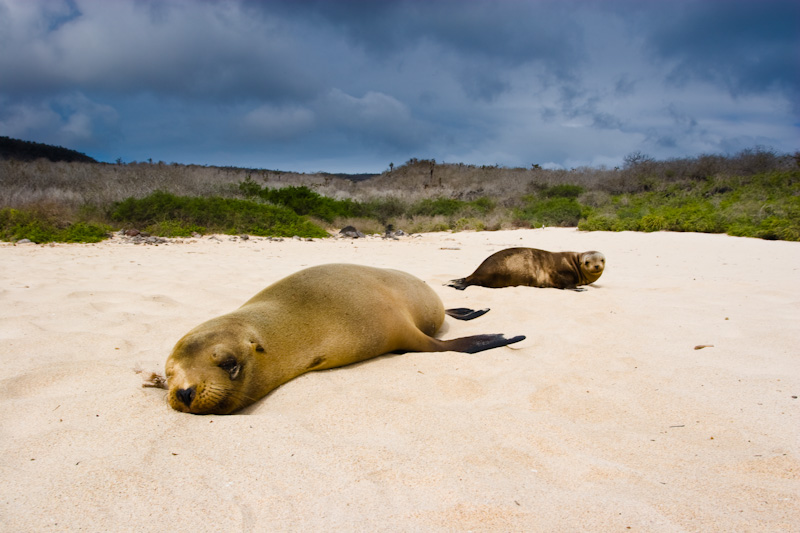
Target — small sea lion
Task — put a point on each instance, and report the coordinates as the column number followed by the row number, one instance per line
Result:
column 321, row 317
column 535, row 268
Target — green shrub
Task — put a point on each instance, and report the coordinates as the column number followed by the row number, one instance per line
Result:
column 249, row 188
column 174, row 228
column 693, row 215
column 431, row 207
column 625, row 224
column 558, row 211
column 423, row 224
column 772, row 228
column 465, row 223
column 303, row 201
column 382, row 209
column 653, row 223
column 483, row 205
column 223, row 215
column 563, row 191
column 39, row 228
column 600, row 222
column 84, row 232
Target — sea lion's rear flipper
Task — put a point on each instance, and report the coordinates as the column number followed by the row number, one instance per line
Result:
column 464, row 313
column 479, row 343
column 459, row 284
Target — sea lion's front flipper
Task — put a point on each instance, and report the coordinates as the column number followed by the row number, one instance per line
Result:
column 464, row 313
column 459, row 284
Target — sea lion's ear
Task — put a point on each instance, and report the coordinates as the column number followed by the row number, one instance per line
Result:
column 257, row 347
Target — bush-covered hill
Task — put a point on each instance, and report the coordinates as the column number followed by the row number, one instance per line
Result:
column 754, row 193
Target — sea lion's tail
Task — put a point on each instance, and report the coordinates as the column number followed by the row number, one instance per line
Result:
column 459, row 284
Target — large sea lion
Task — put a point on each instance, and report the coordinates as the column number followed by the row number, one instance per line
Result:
column 535, row 268
column 321, row 317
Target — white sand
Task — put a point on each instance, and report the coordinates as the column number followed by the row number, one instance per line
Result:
column 605, row 418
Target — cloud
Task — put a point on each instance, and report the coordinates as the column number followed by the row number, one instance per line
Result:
column 68, row 120
column 300, row 84
column 372, row 111
column 746, row 47
column 278, row 123
column 200, row 50
column 372, row 119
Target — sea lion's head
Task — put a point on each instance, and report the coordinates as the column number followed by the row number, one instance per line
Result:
column 213, row 369
column 592, row 265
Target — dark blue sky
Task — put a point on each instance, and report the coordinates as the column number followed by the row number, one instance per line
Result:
column 350, row 86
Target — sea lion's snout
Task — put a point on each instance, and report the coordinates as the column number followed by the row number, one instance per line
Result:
column 186, row 395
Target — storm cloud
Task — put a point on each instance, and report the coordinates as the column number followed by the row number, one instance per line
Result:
column 350, row 86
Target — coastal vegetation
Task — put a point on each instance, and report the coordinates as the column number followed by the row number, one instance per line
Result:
column 55, row 194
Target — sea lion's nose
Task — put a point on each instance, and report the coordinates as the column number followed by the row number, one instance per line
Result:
column 186, row 395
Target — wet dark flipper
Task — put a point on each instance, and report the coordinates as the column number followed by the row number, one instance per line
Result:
column 479, row 343
column 459, row 284
column 464, row 313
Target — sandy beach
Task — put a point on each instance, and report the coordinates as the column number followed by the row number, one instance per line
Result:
column 606, row 418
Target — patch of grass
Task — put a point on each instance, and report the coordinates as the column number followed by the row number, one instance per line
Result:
column 162, row 211
column 556, row 211
column 563, row 191
column 465, row 223
column 484, row 205
column 382, row 209
column 303, row 201
column 652, row 223
column 40, row 228
column 598, row 222
column 174, row 228
column 452, row 209
column 431, row 207
column 766, row 206
column 425, row 224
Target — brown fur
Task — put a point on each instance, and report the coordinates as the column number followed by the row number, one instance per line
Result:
column 321, row 317
column 535, row 268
